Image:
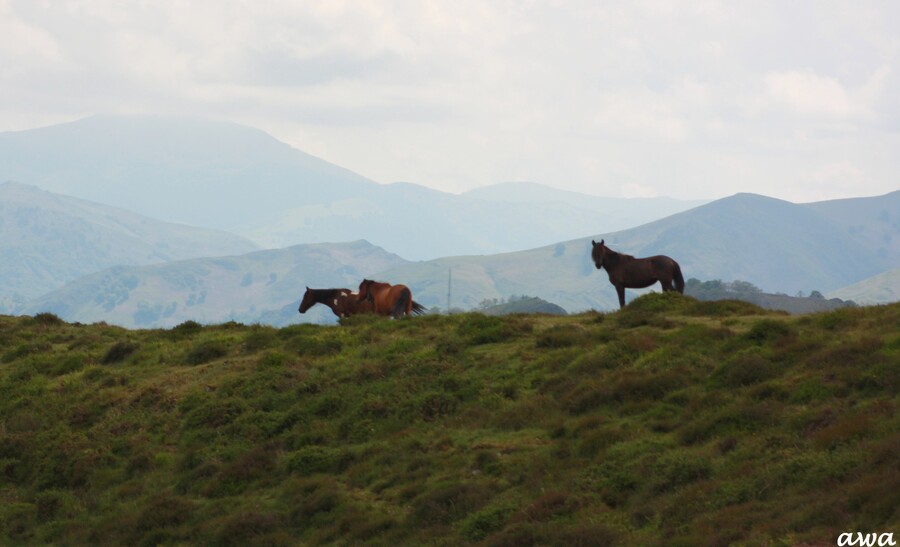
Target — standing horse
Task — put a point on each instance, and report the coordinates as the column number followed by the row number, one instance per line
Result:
column 387, row 299
column 626, row 271
column 341, row 301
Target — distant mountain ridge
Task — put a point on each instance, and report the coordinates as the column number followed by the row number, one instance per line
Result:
column 228, row 176
column 776, row 245
column 47, row 240
column 202, row 172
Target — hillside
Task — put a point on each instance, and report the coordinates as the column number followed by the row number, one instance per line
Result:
column 261, row 286
column 200, row 172
column 673, row 422
column 873, row 223
column 48, row 240
column 776, row 245
column 610, row 214
column 233, row 177
column 883, row 288
column 420, row 223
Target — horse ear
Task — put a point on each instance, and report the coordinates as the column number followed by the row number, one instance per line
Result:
column 594, row 243
column 601, row 242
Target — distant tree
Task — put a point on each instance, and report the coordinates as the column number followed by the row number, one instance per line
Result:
column 817, row 294
column 744, row 287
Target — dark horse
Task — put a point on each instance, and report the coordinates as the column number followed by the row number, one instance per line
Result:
column 387, row 299
column 626, row 271
column 341, row 301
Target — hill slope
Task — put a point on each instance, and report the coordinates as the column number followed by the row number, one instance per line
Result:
column 47, row 240
column 776, row 245
column 228, row 176
column 883, row 288
column 201, row 172
column 671, row 423
column 260, row 286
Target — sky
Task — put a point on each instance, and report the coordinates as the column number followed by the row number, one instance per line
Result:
column 702, row 99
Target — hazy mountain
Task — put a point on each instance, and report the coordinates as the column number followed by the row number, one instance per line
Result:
column 201, row 172
column 873, row 223
column 883, row 288
column 610, row 214
column 776, row 245
column 260, row 286
column 420, row 223
column 228, row 176
column 47, row 240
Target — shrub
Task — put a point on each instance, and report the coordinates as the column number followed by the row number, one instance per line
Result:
column 449, row 503
column 485, row 329
column 560, row 336
column 745, row 369
column 119, row 352
column 318, row 459
column 767, row 330
column 187, row 327
column 205, row 352
column 48, row 319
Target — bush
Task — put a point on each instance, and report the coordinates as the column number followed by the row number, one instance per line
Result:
column 745, row 369
column 205, row 352
column 767, row 330
column 446, row 504
column 119, row 352
column 48, row 319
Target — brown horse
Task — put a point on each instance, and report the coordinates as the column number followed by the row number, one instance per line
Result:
column 626, row 271
column 387, row 299
column 341, row 301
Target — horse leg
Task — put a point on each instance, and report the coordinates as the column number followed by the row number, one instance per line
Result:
column 620, row 290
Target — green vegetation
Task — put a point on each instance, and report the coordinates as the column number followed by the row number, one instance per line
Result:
column 671, row 422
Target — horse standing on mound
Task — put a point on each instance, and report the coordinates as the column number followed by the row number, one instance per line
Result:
column 387, row 299
column 341, row 301
column 626, row 271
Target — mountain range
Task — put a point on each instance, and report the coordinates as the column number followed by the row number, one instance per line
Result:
column 92, row 262
column 48, row 240
column 227, row 176
column 776, row 245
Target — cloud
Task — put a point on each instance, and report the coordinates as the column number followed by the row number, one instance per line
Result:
column 455, row 94
column 806, row 93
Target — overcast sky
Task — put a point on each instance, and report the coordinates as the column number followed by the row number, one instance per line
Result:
column 796, row 100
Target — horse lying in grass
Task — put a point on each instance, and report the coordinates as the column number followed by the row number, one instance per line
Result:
column 387, row 299
column 626, row 271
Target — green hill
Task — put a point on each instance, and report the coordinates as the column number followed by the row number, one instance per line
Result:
column 672, row 422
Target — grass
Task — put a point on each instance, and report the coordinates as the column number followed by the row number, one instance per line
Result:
column 671, row 422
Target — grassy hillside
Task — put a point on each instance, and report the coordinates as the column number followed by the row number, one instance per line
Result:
column 672, row 422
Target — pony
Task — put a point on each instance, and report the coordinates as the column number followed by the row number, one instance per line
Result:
column 341, row 301
column 626, row 271
column 387, row 299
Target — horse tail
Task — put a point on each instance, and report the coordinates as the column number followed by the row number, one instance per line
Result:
column 678, row 278
column 418, row 309
column 403, row 304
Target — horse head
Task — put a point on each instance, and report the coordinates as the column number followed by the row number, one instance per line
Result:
column 364, row 293
column 598, row 253
column 308, row 301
